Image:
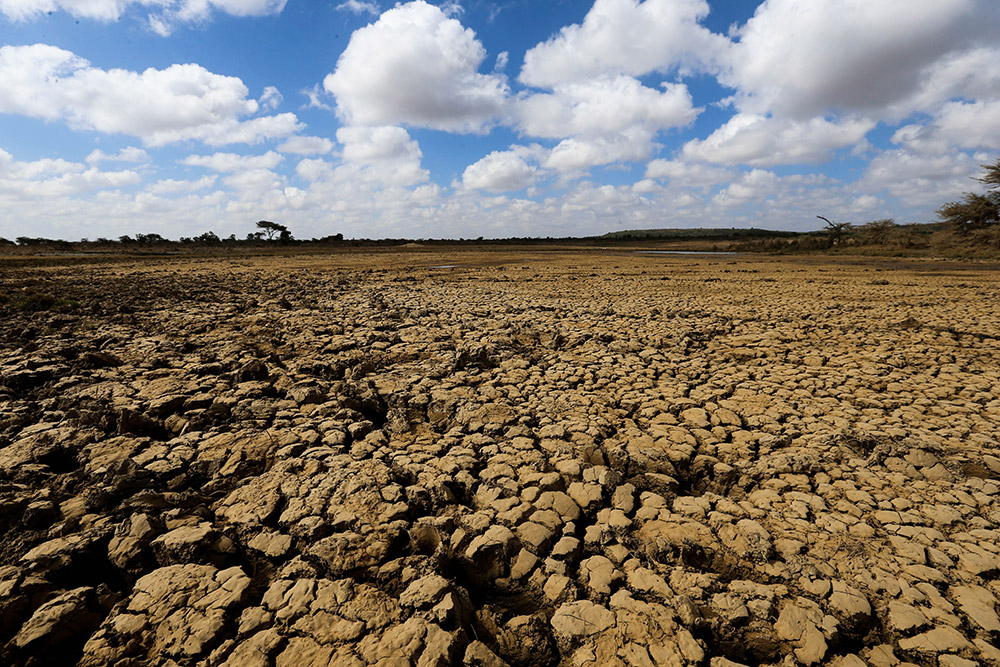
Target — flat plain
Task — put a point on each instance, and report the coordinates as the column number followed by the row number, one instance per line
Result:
column 499, row 456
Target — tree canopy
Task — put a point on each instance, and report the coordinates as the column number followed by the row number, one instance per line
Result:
column 976, row 210
column 272, row 229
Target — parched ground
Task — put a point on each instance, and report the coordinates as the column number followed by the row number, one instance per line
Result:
column 522, row 458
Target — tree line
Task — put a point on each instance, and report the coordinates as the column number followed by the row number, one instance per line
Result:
column 267, row 232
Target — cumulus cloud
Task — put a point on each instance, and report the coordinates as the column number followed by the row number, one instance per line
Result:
column 501, row 62
column 386, row 154
column 625, row 37
column 763, row 141
column 803, row 59
column 604, row 106
column 165, row 14
column 921, row 179
column 270, row 99
column 500, row 171
column 317, row 98
column 257, row 181
column 253, row 175
column 359, row 7
column 127, row 154
column 370, row 145
column 754, row 184
column 970, row 74
column 605, row 120
column 173, row 186
column 231, row 162
column 686, row 174
column 233, row 131
column 416, row 66
column 178, row 103
column 54, row 178
column 303, row 145
column 579, row 154
column 970, row 125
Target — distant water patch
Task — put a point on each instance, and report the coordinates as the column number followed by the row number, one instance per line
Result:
column 685, row 252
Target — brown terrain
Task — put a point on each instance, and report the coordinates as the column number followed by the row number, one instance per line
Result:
column 499, row 457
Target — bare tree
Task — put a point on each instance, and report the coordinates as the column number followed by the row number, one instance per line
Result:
column 836, row 229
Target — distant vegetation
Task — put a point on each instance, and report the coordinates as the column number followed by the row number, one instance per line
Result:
column 727, row 233
column 879, row 237
column 970, row 227
column 978, row 214
column 268, row 233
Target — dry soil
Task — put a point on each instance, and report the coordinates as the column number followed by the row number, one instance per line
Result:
column 415, row 457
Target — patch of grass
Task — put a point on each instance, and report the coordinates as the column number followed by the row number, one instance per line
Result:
column 35, row 302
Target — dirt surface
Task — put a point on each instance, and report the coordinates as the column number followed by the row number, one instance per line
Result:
column 526, row 458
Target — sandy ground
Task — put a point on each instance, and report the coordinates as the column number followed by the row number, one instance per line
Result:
column 520, row 457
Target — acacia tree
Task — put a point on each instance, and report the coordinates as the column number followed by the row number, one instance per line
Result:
column 836, row 229
column 271, row 229
column 975, row 210
column 878, row 231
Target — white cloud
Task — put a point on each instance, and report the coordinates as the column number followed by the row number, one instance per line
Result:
column 970, row 74
column 233, row 131
column 416, row 66
column 500, row 171
column 200, row 10
column 803, row 59
column 303, row 145
column 865, row 204
column 359, row 6
column 760, row 140
column 608, row 119
column 579, row 154
column 604, row 106
column 382, row 195
column 754, row 184
column 231, row 162
column 384, row 154
column 957, row 124
column 347, row 198
column 313, row 169
column 127, row 154
column 625, row 37
column 685, row 174
column 501, row 63
column 370, row 145
column 971, row 124
column 646, row 186
column 55, row 178
column 173, row 186
column 170, row 12
column 254, row 180
column 270, row 99
column 23, row 10
column 178, row 103
column 317, row 98
column 920, row 179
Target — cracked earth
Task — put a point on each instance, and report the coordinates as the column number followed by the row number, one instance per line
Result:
column 525, row 458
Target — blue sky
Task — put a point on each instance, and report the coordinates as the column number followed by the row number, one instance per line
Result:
column 477, row 118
